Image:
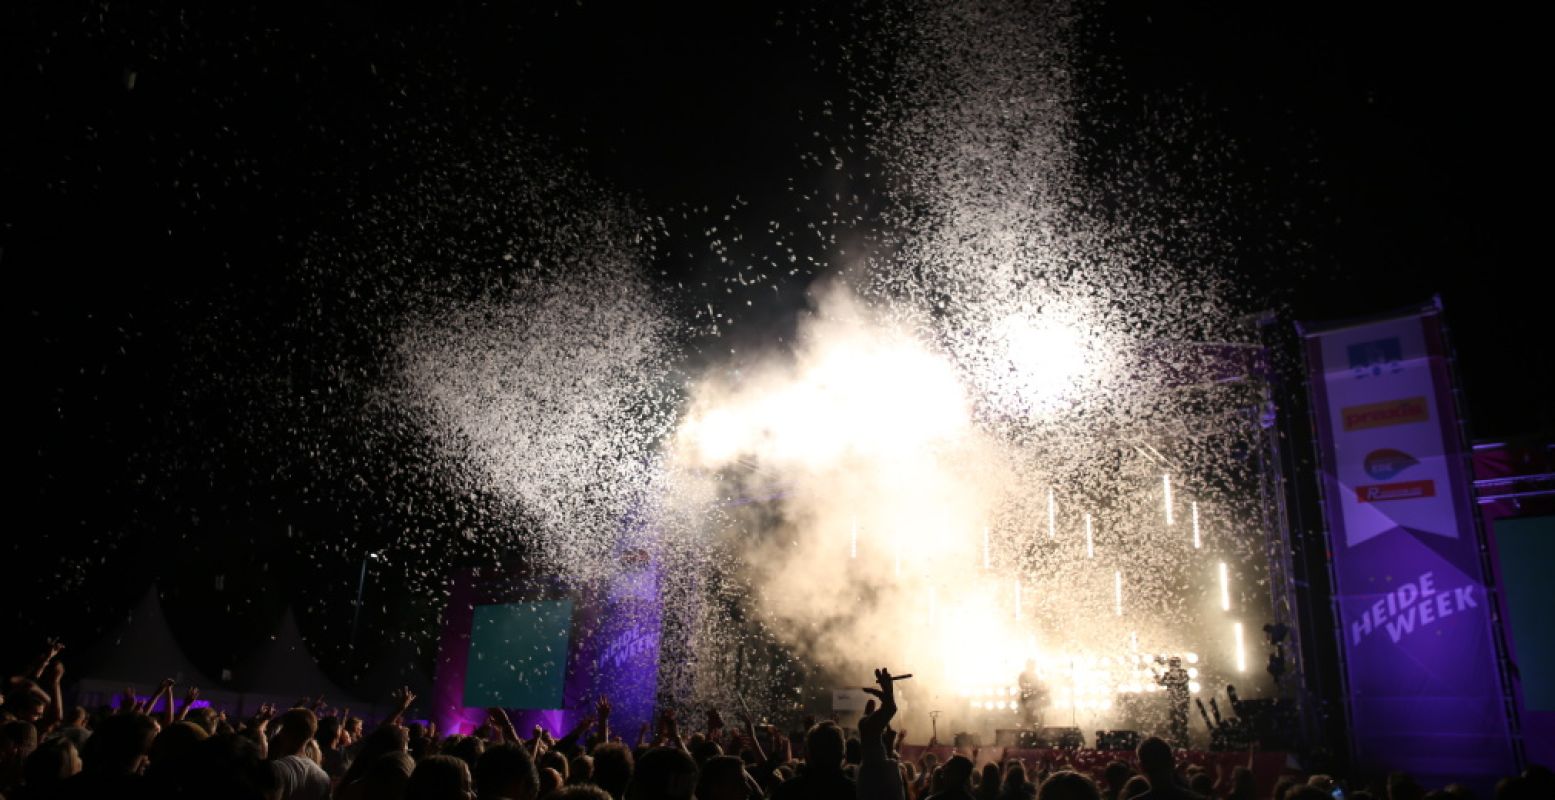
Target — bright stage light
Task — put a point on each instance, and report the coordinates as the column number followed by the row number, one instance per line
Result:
column 1166, row 482
column 1193, row 658
column 1241, row 652
column 1049, row 357
column 1196, row 541
column 1090, row 548
column 1225, row 587
column 1193, row 672
column 1117, row 592
column 1052, row 516
column 1194, row 687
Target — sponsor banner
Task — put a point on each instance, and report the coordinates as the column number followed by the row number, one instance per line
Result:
column 1420, row 659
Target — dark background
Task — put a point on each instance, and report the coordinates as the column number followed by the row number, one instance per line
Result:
column 158, row 233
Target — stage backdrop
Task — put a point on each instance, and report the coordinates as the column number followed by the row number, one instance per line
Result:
column 1421, row 662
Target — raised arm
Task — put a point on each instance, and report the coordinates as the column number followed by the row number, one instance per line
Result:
column 190, row 695
column 405, row 697
column 52, row 677
column 602, row 711
column 50, row 651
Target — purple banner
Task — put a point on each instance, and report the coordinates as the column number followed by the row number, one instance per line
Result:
column 1420, row 661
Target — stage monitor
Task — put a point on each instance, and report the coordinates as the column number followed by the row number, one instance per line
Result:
column 518, row 655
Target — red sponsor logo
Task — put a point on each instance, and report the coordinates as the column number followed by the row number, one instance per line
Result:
column 1378, row 415
column 1407, row 490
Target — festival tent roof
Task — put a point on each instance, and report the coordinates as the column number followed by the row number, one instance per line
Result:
column 284, row 667
column 141, row 651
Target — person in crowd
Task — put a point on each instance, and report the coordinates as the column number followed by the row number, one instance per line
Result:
column 663, row 773
column 114, row 758
column 301, row 777
column 580, row 771
column 440, row 777
column 1160, row 769
column 506, row 772
column 1067, row 785
column 386, row 777
column 879, row 774
column 724, row 778
column 988, row 786
column 1135, row 786
column 821, row 776
column 580, row 792
column 1016, row 786
column 957, row 780
column 613, row 764
column 1201, row 784
column 45, row 771
column 1115, row 775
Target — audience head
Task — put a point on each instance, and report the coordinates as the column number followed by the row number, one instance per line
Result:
column 957, row 771
column 388, row 775
column 1201, row 783
column 824, row 746
column 50, row 764
column 440, row 778
column 18, row 739
column 1403, row 787
column 26, row 701
column 466, row 748
column 1134, row 787
column 1155, row 759
column 1116, row 774
column 119, row 745
column 580, row 792
column 1067, row 785
column 581, row 770
column 506, row 771
column 613, row 768
column 176, row 744
column 723, row 778
column 664, row 773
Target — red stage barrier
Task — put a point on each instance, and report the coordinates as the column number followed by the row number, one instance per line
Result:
column 1267, row 766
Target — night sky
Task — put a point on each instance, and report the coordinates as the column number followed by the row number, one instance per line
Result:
column 171, row 173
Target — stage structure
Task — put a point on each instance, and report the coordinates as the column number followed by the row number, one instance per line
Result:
column 1167, row 540
column 1158, row 538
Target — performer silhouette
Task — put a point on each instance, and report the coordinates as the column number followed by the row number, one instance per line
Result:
column 1175, row 679
column 1033, row 697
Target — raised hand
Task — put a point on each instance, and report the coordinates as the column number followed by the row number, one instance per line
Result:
column 191, row 694
column 53, row 673
column 602, row 708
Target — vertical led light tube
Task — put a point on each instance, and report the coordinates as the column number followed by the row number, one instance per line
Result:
column 1225, row 587
column 1197, row 543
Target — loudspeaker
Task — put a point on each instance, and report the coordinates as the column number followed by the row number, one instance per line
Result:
column 1063, row 738
column 1117, row 740
column 1018, row 737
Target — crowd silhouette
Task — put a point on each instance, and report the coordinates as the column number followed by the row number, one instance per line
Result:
column 163, row 748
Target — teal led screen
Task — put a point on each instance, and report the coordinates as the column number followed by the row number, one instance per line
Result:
column 1527, row 549
column 518, row 655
